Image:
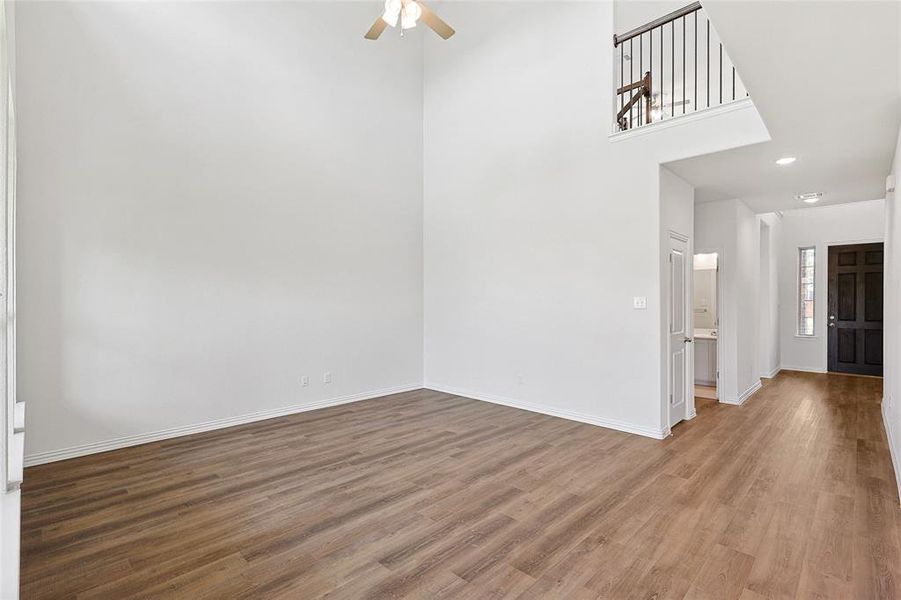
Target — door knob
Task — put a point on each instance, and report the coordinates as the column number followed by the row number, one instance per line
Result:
column 831, row 324
column 688, row 340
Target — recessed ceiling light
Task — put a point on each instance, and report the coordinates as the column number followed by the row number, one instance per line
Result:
column 810, row 198
column 786, row 160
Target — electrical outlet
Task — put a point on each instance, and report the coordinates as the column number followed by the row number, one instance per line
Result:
column 327, row 377
column 640, row 302
column 304, row 381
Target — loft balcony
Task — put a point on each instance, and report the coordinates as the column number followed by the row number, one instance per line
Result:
column 669, row 67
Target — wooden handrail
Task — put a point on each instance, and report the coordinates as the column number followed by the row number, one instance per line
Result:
column 685, row 10
column 643, row 86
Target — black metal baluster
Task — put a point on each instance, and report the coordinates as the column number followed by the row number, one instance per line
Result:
column 695, row 98
column 672, row 79
column 708, row 63
column 662, row 80
column 622, row 78
column 631, row 80
column 683, row 65
column 733, row 82
column 721, row 72
column 651, row 60
column 640, row 71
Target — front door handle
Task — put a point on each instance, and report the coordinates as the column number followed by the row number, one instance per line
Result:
column 688, row 340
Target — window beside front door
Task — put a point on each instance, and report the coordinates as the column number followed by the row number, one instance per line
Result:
column 806, row 289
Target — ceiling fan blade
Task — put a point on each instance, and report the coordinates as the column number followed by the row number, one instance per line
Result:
column 435, row 22
column 376, row 30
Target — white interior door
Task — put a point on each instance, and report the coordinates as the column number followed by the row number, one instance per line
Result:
column 679, row 338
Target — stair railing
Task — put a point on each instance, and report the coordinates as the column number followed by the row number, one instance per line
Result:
column 672, row 66
column 637, row 91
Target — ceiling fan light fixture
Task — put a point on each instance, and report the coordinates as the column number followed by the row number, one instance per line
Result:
column 393, row 9
column 391, row 18
column 410, row 14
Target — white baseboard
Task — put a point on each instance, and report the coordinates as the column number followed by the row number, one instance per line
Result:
column 804, row 369
column 772, row 373
column 657, row 434
column 40, row 458
column 896, row 460
column 744, row 395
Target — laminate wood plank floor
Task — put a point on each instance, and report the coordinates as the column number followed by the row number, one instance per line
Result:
column 705, row 391
column 429, row 495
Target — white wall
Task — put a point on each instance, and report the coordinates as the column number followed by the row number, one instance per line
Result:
column 215, row 199
column 629, row 14
column 10, row 442
column 538, row 229
column 891, row 403
column 731, row 229
column 769, row 348
column 820, row 227
column 748, row 306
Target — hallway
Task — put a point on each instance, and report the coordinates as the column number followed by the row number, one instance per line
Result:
column 790, row 495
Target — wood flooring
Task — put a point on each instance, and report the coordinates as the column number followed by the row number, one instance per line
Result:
column 428, row 495
column 705, row 391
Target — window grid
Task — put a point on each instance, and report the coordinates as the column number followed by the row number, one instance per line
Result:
column 806, row 289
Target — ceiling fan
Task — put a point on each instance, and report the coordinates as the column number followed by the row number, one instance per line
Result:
column 408, row 12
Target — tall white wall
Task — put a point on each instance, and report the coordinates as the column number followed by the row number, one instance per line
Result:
column 629, row 14
column 215, row 200
column 891, row 403
column 820, row 227
column 769, row 347
column 540, row 230
column 748, row 306
column 10, row 449
column 731, row 229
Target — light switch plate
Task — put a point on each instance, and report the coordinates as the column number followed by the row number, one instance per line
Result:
column 640, row 302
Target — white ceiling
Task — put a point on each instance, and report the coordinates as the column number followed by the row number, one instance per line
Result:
column 824, row 76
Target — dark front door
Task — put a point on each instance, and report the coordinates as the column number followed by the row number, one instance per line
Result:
column 855, row 309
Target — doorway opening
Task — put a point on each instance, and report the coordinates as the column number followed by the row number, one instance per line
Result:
column 705, row 303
